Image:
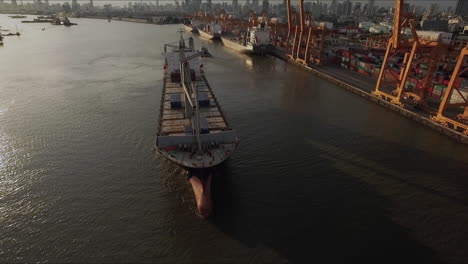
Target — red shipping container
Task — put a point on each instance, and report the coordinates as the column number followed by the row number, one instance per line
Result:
column 458, row 81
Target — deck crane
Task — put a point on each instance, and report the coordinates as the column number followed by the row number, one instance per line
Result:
column 415, row 50
column 457, row 117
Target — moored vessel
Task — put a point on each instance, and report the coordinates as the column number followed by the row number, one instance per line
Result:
column 256, row 40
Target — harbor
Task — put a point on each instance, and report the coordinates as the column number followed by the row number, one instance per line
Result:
column 82, row 179
column 343, row 79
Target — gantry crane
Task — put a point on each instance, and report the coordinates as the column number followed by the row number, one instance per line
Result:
column 314, row 43
column 308, row 39
column 457, row 116
column 289, row 49
column 415, row 50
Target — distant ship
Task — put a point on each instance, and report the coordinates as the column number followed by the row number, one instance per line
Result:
column 256, row 40
column 1, row 39
column 64, row 21
column 17, row 16
column 37, row 21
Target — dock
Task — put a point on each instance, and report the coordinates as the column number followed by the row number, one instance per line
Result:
column 343, row 82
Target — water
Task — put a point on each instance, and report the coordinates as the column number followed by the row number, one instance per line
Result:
column 320, row 174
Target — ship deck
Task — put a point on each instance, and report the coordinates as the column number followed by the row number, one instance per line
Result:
column 173, row 121
column 176, row 140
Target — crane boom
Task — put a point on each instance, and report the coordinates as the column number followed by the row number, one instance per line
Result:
column 301, row 14
column 288, row 7
column 397, row 23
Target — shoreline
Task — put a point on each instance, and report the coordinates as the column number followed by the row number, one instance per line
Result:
column 341, row 80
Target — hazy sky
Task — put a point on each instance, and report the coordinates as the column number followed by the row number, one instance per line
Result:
column 387, row 3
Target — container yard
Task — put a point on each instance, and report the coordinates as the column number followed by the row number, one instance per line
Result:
column 418, row 73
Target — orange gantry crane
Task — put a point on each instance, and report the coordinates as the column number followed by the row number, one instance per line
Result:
column 415, row 51
column 306, row 44
column 454, row 113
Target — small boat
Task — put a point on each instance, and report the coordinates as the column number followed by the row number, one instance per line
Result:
column 1, row 39
column 67, row 22
column 204, row 52
column 64, row 21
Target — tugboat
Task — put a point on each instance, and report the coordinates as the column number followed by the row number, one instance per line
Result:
column 204, row 52
column 66, row 22
column 193, row 131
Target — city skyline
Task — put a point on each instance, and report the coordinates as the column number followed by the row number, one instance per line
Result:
column 382, row 3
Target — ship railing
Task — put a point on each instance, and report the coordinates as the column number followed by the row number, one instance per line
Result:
column 161, row 106
column 215, row 100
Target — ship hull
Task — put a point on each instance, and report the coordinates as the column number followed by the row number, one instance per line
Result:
column 190, row 29
column 201, row 185
column 203, row 163
column 207, row 35
column 232, row 44
column 236, row 46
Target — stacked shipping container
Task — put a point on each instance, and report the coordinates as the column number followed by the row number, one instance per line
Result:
column 369, row 65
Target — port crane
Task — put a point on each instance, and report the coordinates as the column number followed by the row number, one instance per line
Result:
column 308, row 38
column 289, row 49
column 453, row 113
column 415, row 50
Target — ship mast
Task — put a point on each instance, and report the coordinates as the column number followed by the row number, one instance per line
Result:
column 190, row 89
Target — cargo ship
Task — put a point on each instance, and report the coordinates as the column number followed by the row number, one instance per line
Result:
column 193, row 131
column 257, row 39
